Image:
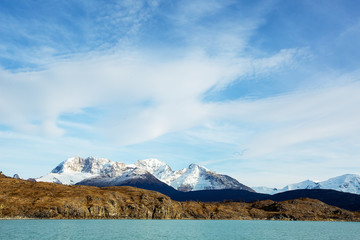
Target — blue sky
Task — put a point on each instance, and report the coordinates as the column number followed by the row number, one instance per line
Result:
column 265, row 91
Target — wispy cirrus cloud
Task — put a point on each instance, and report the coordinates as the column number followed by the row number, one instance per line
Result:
column 33, row 36
column 70, row 86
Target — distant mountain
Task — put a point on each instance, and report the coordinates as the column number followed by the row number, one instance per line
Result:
column 104, row 172
column 343, row 200
column 345, row 183
column 265, row 190
column 193, row 178
column 348, row 201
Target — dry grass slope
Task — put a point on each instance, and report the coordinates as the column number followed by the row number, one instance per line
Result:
column 26, row 199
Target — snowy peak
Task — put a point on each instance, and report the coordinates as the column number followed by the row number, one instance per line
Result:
column 194, row 171
column 344, row 183
column 158, row 168
column 307, row 184
column 194, row 177
column 153, row 165
column 76, row 169
column 197, row 168
column 84, row 165
column 189, row 179
column 194, row 166
column 197, row 177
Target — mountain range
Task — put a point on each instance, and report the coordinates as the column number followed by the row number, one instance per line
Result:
column 154, row 174
column 345, row 183
column 104, row 172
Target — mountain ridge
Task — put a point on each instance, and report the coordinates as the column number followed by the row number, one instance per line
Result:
column 94, row 171
column 345, row 183
column 86, row 170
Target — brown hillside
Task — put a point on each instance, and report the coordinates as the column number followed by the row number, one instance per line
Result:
column 26, row 199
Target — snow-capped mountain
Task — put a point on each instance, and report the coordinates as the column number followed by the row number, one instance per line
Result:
column 193, row 178
column 76, row 169
column 106, row 172
column 344, row 183
column 158, row 168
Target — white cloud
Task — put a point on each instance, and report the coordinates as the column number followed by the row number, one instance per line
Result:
column 33, row 101
column 305, row 134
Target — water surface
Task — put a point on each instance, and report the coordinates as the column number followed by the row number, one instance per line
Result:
column 176, row 229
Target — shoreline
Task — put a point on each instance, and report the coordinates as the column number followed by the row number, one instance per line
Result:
column 185, row 219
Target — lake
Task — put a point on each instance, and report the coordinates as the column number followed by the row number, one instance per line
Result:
column 176, row 229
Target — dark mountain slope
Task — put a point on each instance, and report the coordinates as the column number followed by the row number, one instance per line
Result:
column 145, row 181
column 149, row 182
column 343, row 200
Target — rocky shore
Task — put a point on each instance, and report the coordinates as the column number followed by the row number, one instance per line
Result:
column 27, row 199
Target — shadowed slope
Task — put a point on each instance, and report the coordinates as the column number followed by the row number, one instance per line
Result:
column 343, row 200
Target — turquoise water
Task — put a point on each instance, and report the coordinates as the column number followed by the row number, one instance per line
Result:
column 176, row 229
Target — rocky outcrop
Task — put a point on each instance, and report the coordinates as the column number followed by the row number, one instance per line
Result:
column 26, row 199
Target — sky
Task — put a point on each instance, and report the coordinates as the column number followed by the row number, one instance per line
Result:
column 267, row 92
